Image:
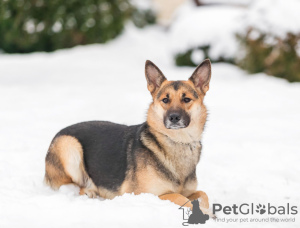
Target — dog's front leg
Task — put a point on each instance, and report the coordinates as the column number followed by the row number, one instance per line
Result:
column 204, row 203
column 182, row 200
column 177, row 199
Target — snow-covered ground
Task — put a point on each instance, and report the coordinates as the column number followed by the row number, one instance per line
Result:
column 251, row 142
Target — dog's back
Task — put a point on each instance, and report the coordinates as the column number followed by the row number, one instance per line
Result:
column 103, row 147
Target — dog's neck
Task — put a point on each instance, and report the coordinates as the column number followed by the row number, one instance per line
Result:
column 171, row 146
column 182, row 158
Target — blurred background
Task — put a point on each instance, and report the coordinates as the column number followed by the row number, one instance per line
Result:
column 258, row 35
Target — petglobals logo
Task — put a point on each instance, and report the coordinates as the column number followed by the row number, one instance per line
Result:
column 239, row 213
column 246, row 209
column 194, row 216
column 255, row 213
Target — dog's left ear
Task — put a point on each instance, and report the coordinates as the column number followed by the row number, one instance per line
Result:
column 201, row 76
column 154, row 76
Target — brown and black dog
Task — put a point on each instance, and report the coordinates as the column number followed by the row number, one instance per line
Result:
column 159, row 156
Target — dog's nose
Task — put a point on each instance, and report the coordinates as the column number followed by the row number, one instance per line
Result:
column 174, row 117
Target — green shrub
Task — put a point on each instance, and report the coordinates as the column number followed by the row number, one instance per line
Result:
column 185, row 58
column 278, row 57
column 271, row 55
column 141, row 18
column 41, row 25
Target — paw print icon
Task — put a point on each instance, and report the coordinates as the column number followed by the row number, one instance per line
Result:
column 261, row 209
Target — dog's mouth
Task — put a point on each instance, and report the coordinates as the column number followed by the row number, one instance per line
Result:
column 178, row 125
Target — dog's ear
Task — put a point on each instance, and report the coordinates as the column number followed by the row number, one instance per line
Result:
column 154, row 76
column 201, row 76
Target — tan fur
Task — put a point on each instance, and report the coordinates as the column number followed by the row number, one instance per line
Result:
column 126, row 187
column 177, row 199
column 185, row 137
column 189, row 188
column 180, row 158
column 200, row 195
column 69, row 153
column 178, row 150
column 107, row 194
column 197, row 109
column 149, row 181
column 55, row 177
column 181, row 200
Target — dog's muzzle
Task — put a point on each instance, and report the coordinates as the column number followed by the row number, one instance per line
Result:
column 176, row 119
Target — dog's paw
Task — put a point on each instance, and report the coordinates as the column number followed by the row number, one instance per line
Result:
column 208, row 212
column 89, row 192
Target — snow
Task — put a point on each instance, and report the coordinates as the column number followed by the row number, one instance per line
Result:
column 142, row 4
column 199, row 26
column 274, row 17
column 232, row 2
column 217, row 25
column 251, row 142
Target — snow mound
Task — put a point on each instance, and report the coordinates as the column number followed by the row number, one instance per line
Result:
column 213, row 26
column 274, row 17
column 217, row 25
column 236, row 2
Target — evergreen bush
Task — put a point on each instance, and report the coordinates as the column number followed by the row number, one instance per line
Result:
column 186, row 58
column 273, row 55
column 41, row 25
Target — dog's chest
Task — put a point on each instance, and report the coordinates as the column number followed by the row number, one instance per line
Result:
column 183, row 158
column 170, row 171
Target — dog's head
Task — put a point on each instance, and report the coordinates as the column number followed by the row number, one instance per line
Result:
column 177, row 105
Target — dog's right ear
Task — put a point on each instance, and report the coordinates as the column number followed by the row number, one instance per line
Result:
column 201, row 76
column 154, row 76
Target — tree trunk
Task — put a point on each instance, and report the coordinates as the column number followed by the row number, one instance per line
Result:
column 198, row 3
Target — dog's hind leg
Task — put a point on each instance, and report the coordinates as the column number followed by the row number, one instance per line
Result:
column 90, row 189
column 65, row 164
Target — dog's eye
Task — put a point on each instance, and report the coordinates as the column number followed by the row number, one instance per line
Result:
column 165, row 100
column 186, row 100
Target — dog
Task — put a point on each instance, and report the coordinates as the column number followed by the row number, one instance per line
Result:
column 158, row 156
